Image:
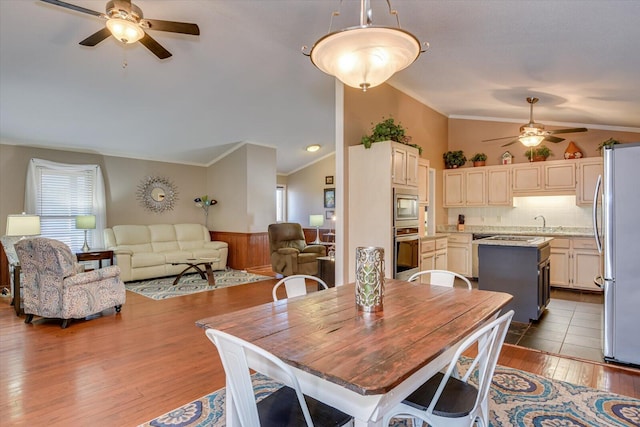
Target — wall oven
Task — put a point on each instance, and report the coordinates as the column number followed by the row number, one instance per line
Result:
column 405, row 207
column 406, row 256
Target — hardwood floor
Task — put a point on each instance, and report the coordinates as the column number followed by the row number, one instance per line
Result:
column 125, row 369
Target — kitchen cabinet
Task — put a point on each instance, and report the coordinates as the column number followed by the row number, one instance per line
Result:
column 459, row 254
column 522, row 271
column 588, row 171
column 574, row 263
column 557, row 177
column 405, row 165
column 423, row 181
column 372, row 174
column 527, row 178
column 499, row 186
column 433, row 254
column 464, row 187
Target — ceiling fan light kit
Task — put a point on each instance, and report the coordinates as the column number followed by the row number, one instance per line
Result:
column 125, row 31
column 365, row 56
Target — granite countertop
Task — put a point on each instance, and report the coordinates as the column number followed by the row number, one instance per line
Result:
column 512, row 240
column 558, row 231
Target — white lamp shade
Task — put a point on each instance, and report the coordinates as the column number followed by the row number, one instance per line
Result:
column 316, row 220
column 23, row 225
column 86, row 222
column 365, row 57
column 125, row 31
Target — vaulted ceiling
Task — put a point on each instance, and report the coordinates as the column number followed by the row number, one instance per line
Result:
column 244, row 78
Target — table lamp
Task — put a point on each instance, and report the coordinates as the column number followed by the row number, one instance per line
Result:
column 23, row 225
column 85, row 222
column 316, row 221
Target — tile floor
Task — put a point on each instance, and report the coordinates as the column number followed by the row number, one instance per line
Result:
column 571, row 325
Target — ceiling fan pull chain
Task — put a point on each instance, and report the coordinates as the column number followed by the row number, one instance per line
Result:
column 125, row 63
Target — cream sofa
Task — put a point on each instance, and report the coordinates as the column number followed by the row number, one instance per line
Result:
column 147, row 251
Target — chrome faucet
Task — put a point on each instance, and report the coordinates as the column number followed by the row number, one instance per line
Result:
column 544, row 221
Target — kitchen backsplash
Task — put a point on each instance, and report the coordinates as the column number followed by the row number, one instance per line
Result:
column 557, row 210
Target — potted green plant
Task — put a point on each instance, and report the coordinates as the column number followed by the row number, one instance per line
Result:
column 538, row 154
column 608, row 143
column 479, row 159
column 388, row 130
column 454, row 159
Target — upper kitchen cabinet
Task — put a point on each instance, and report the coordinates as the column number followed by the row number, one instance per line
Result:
column 464, row 187
column 588, row 172
column 423, row 181
column 499, row 186
column 557, row 177
column 405, row 164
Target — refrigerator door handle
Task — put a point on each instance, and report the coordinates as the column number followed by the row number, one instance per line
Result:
column 598, row 281
column 595, row 215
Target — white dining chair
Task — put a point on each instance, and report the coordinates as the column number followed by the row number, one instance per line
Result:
column 450, row 402
column 286, row 406
column 296, row 285
column 441, row 277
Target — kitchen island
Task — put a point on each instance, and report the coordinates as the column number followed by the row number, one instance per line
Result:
column 518, row 265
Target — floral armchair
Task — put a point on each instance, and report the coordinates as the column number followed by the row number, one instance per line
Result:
column 290, row 253
column 54, row 285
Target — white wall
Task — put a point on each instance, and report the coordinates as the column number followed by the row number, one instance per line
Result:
column 305, row 191
column 558, row 211
column 244, row 184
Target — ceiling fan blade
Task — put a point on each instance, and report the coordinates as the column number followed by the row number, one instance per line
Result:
column 96, row 38
column 170, row 26
column 553, row 138
column 553, row 132
column 155, row 47
column 503, row 137
column 74, row 7
column 511, row 142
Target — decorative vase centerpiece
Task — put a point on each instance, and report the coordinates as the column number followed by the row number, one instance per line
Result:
column 369, row 278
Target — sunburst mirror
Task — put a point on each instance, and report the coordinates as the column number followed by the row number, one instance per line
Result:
column 157, row 194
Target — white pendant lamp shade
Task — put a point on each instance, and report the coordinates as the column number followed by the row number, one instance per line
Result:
column 125, row 31
column 365, row 57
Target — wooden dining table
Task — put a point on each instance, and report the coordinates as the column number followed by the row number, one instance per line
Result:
column 362, row 363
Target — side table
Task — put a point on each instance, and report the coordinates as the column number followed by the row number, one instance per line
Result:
column 96, row 255
column 327, row 271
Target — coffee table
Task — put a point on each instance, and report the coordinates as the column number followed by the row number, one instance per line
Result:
column 196, row 263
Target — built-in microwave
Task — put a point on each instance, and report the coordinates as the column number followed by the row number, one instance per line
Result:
column 405, row 207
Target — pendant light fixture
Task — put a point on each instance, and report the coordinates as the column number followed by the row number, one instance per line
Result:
column 365, row 56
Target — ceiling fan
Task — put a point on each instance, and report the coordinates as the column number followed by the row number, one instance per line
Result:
column 533, row 133
column 126, row 23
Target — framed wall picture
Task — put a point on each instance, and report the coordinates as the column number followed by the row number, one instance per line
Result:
column 328, row 215
column 330, row 198
column 328, row 180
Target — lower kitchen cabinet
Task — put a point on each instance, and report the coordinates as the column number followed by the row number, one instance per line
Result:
column 574, row 263
column 433, row 255
column 459, row 254
column 522, row 271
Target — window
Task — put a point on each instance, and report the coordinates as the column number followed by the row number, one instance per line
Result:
column 281, row 203
column 59, row 192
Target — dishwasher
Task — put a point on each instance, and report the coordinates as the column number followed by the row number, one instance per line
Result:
column 474, row 252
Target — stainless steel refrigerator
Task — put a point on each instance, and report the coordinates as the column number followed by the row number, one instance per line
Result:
column 621, row 246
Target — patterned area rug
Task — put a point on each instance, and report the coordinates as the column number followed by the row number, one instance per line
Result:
column 518, row 398
column 190, row 284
